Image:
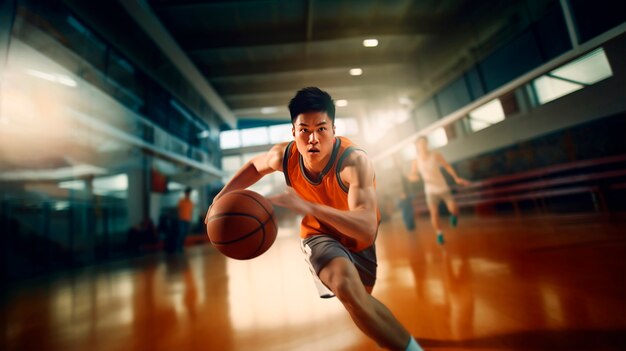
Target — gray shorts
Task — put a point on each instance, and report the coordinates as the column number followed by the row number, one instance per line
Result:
column 434, row 199
column 321, row 249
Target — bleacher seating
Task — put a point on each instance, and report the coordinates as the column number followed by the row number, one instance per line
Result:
column 594, row 177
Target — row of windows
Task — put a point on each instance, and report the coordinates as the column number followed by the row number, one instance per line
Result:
column 115, row 186
column 267, row 136
column 571, row 77
column 232, row 139
column 543, row 41
column 100, row 64
column 584, row 71
column 578, row 74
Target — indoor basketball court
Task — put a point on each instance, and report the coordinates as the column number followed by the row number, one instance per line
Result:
column 190, row 175
column 502, row 283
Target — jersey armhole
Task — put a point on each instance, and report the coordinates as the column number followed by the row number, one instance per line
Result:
column 343, row 157
column 286, row 163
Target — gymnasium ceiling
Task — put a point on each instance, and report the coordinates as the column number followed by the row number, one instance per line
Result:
column 257, row 53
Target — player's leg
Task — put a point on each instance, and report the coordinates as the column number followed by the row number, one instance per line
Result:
column 183, row 229
column 433, row 209
column 369, row 314
column 408, row 214
column 453, row 208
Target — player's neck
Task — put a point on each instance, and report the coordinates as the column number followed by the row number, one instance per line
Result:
column 313, row 168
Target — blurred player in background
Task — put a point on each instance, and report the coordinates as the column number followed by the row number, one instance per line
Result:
column 427, row 166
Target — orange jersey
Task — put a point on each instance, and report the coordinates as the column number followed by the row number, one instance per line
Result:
column 328, row 190
column 185, row 209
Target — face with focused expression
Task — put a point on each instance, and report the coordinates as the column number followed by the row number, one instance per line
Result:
column 314, row 134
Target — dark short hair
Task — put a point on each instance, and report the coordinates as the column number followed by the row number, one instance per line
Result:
column 187, row 190
column 311, row 99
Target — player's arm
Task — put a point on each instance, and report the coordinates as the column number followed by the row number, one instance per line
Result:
column 414, row 175
column 255, row 169
column 360, row 221
column 450, row 170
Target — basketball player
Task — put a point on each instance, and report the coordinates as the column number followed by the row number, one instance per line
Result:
column 185, row 213
column 331, row 182
column 428, row 164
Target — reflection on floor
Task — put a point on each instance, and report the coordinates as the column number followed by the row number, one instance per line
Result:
column 532, row 283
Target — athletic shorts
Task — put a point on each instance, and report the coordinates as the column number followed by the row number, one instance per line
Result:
column 435, row 198
column 319, row 250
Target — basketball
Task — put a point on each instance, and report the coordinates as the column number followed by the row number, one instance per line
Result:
column 241, row 224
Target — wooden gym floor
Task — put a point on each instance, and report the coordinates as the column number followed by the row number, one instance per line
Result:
column 530, row 283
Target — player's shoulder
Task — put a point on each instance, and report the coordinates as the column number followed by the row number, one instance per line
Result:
column 356, row 158
column 276, row 154
column 280, row 147
column 357, row 168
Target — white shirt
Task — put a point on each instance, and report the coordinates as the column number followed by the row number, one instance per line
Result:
column 430, row 171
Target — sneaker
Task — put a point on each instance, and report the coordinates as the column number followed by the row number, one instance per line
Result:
column 453, row 221
column 440, row 240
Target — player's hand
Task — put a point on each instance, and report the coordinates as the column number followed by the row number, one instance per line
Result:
column 208, row 212
column 206, row 218
column 291, row 200
column 463, row 182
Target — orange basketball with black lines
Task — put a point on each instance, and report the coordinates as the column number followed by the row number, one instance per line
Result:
column 241, row 224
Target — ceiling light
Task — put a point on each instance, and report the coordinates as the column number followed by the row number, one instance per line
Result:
column 56, row 78
column 341, row 103
column 42, row 75
column 66, row 81
column 370, row 43
column 403, row 100
column 356, row 71
column 268, row 110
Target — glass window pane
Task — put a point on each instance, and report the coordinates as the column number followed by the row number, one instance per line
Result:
column 115, row 185
column 115, row 182
column 229, row 139
column 548, row 88
column 437, row 138
column 280, row 133
column 72, row 184
column 254, row 136
column 588, row 69
column 486, row 115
